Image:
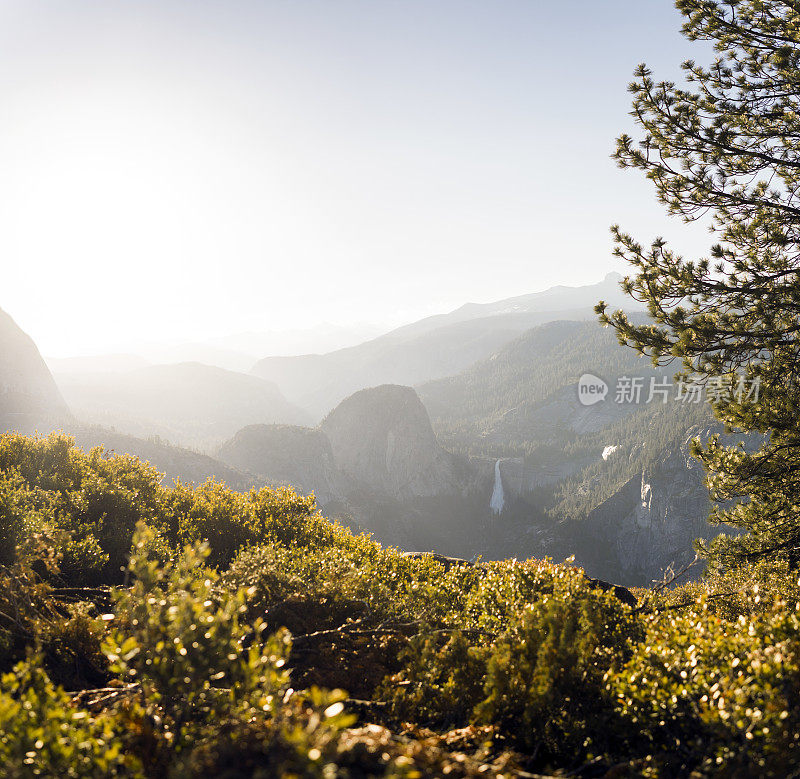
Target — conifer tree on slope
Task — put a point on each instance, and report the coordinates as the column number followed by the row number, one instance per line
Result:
column 727, row 145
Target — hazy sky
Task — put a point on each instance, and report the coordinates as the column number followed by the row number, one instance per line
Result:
column 174, row 170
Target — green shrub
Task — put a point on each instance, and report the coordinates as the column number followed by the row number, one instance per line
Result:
column 70, row 645
column 741, row 591
column 95, row 499
column 229, row 520
column 705, row 678
column 206, row 675
column 544, row 681
column 715, row 695
column 66, row 633
column 188, row 650
column 43, row 734
column 539, row 683
column 441, row 682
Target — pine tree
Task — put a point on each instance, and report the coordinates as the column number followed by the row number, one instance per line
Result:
column 726, row 146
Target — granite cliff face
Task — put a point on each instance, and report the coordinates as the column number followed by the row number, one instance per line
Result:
column 375, row 464
column 650, row 522
column 382, row 440
column 285, row 454
column 27, row 388
column 520, row 478
column 377, row 443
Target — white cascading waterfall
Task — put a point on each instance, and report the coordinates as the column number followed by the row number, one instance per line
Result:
column 498, row 499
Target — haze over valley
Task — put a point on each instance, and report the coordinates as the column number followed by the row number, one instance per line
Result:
column 355, row 250
column 461, row 433
column 399, row 389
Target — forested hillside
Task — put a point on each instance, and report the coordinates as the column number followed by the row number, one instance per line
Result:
column 497, row 403
column 611, row 482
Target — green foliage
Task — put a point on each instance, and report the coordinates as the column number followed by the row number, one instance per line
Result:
column 31, row 615
column 726, row 145
column 230, row 520
column 483, row 668
column 195, row 662
column 176, row 641
column 397, row 586
column 441, row 681
column 539, row 683
column 718, row 696
column 543, row 682
column 745, row 590
column 96, row 500
column 43, row 734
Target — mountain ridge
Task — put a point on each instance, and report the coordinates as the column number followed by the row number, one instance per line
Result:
column 434, row 347
column 26, row 384
column 188, row 403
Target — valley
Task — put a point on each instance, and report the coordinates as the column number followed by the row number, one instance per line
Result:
column 462, row 434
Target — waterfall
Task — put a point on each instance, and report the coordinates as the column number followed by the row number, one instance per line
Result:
column 498, row 499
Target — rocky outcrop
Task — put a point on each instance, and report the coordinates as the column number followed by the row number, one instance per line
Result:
column 375, row 465
column 649, row 523
column 29, row 398
column 521, row 477
column 382, row 440
column 621, row 593
column 286, row 454
column 377, row 444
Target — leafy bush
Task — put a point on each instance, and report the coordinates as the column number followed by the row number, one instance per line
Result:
column 714, row 695
column 483, row 667
column 96, row 500
column 31, row 616
column 229, row 520
column 203, row 674
column 441, row 681
column 539, row 683
column 42, row 734
column 740, row 591
column 544, row 681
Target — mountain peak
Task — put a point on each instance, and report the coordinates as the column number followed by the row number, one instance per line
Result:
column 26, row 384
column 383, row 436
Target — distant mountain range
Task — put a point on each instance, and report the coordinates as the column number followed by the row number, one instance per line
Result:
column 557, row 302
column 236, row 352
column 493, row 453
column 190, row 404
column 432, row 348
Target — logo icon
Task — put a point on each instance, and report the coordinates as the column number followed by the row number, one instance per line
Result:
column 591, row 389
